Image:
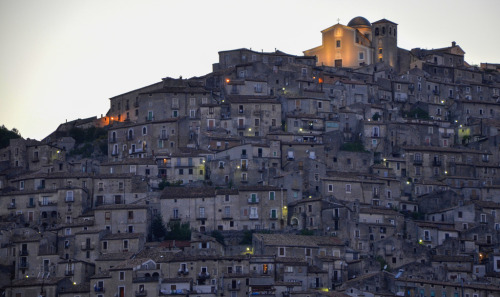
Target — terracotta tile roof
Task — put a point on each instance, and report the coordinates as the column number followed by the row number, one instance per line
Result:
column 298, row 240
column 115, row 256
column 118, row 236
column 444, row 258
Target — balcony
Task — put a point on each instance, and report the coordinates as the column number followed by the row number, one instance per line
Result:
column 233, row 287
column 253, row 200
column 254, row 216
column 227, row 217
column 163, row 137
column 23, row 253
column 114, row 153
column 446, row 135
column 69, row 199
column 242, row 127
column 35, row 159
column 112, row 140
column 183, row 272
column 257, row 113
column 244, row 167
column 141, row 293
column 201, row 217
column 24, row 265
column 11, row 206
column 99, row 289
column 273, row 217
column 417, row 161
column 69, row 272
column 145, row 279
column 203, row 275
column 87, row 247
column 436, row 163
column 47, row 203
column 427, row 238
column 149, row 119
column 30, row 205
column 136, row 151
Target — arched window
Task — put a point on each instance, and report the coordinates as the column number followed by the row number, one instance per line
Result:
column 390, row 30
column 376, row 32
column 383, row 30
column 144, row 130
column 130, row 134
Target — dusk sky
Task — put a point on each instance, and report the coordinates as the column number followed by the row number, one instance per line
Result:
column 62, row 60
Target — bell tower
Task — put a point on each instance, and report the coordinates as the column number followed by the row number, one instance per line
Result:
column 385, row 43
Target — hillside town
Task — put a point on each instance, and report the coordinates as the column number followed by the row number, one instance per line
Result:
column 356, row 169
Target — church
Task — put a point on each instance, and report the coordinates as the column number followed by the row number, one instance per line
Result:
column 358, row 44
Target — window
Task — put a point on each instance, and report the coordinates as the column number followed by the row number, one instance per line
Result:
column 144, row 130
column 125, row 244
column 338, row 43
column 348, row 188
column 122, row 275
column 361, row 55
column 330, row 187
column 271, row 195
column 69, row 196
column 281, row 252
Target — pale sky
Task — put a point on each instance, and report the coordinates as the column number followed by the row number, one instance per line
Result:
column 63, row 59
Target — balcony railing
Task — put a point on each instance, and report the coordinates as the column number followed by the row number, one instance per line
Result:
column 24, row 265
column 436, row 163
column 141, row 293
column 69, row 272
column 30, row 205
column 99, row 289
column 203, row 275
column 183, row 272
column 253, row 200
column 417, row 161
column 23, row 253
column 47, row 203
column 254, row 216
column 11, row 206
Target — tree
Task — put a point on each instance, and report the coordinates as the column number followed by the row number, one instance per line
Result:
column 158, row 229
column 218, row 236
column 178, row 231
column 6, row 135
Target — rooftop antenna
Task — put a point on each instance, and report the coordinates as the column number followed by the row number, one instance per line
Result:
column 338, row 20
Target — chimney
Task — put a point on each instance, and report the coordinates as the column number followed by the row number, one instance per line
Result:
column 453, row 44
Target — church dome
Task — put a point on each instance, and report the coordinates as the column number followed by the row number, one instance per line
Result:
column 359, row 22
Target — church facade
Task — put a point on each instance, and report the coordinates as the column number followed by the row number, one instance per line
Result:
column 358, row 44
